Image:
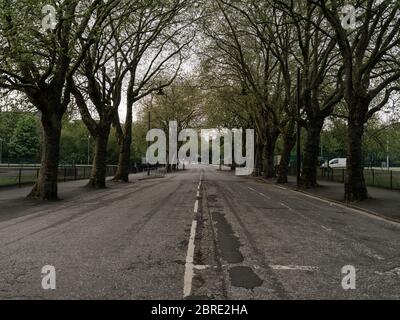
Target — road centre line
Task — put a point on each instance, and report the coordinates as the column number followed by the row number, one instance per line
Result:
column 189, row 272
column 189, row 265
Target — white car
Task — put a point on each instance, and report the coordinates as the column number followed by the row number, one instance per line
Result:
column 335, row 163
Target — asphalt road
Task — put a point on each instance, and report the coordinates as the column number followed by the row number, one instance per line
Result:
column 198, row 234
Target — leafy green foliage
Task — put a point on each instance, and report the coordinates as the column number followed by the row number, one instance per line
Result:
column 25, row 142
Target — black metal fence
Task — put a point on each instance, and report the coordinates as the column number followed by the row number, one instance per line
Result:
column 382, row 178
column 374, row 177
column 27, row 174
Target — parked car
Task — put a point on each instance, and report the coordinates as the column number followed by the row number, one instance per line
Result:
column 335, row 163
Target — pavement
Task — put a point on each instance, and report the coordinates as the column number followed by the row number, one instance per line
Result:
column 382, row 202
column 197, row 234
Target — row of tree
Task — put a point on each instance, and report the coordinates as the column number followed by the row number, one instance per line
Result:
column 99, row 56
column 253, row 51
column 21, row 135
column 259, row 61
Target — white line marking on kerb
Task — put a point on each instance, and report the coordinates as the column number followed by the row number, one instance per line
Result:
column 196, row 206
column 294, row 268
column 187, row 289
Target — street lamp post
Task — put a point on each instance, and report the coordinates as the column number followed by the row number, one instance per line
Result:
column 387, row 141
column 148, row 142
column 298, row 131
column 322, row 148
column 88, row 148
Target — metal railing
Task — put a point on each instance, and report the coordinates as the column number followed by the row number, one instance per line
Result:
column 157, row 172
column 374, row 177
column 381, row 178
column 24, row 175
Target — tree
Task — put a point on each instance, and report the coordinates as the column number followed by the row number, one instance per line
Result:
column 117, row 53
column 242, row 59
column 160, row 33
column 97, row 87
column 24, row 142
column 74, row 142
column 371, row 68
column 39, row 63
column 314, row 50
column 181, row 102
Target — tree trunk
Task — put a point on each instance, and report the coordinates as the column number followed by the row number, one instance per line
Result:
column 124, row 158
column 289, row 140
column 269, row 156
column 258, row 158
column 46, row 184
column 125, row 142
column 311, row 152
column 355, row 187
column 233, row 166
column 98, row 175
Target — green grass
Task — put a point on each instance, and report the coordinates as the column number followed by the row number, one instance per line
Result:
column 382, row 179
column 7, row 181
column 13, row 181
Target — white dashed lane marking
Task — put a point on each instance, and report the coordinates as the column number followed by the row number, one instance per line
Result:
column 294, row 268
column 189, row 266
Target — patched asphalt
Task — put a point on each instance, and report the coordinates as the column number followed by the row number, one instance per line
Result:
column 253, row 241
